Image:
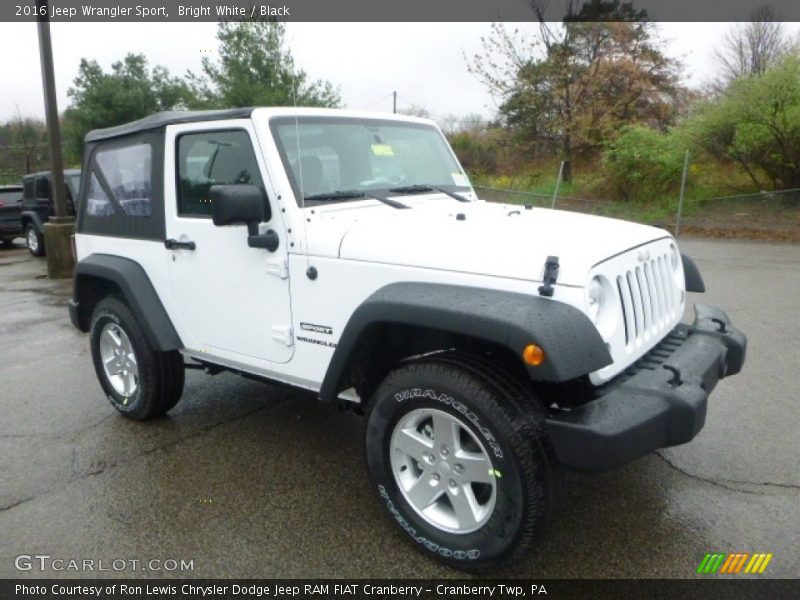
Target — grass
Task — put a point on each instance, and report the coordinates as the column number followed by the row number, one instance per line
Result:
column 707, row 211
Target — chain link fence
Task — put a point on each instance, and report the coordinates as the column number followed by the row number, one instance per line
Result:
column 763, row 215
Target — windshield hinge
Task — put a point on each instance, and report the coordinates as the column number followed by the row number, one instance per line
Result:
column 550, row 276
column 278, row 267
column 283, row 334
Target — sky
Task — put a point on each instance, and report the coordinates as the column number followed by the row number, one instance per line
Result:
column 423, row 62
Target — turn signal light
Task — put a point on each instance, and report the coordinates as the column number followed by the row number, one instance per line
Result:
column 533, row 355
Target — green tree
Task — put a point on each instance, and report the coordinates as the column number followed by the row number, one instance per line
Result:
column 756, row 123
column 255, row 68
column 23, row 147
column 642, row 163
column 130, row 91
column 573, row 86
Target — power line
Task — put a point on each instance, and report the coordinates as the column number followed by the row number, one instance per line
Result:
column 386, row 97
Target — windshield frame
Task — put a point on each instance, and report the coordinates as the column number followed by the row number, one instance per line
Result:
column 277, row 121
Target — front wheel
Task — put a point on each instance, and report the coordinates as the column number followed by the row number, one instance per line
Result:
column 458, row 457
column 140, row 382
column 34, row 239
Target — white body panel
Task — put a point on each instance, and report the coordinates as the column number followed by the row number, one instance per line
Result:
column 226, row 306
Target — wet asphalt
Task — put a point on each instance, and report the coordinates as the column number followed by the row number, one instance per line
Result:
column 250, row 480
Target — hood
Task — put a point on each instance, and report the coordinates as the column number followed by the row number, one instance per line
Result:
column 483, row 238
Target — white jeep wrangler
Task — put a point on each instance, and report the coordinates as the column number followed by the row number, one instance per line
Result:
column 488, row 346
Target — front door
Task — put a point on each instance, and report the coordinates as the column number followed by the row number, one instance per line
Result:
column 232, row 300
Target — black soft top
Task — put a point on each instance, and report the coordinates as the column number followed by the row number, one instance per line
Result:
column 161, row 119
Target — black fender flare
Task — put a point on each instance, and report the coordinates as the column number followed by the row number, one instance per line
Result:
column 691, row 273
column 571, row 343
column 34, row 217
column 138, row 292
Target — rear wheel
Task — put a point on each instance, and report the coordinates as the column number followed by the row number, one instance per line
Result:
column 34, row 239
column 460, row 460
column 140, row 382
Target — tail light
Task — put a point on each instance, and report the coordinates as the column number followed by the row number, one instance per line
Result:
column 73, row 248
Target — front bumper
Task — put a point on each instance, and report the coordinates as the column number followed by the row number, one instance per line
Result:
column 659, row 402
column 7, row 229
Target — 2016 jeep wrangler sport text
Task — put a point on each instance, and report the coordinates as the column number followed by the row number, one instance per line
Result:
column 488, row 346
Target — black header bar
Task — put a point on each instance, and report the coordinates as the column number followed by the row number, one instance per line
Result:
column 148, row 11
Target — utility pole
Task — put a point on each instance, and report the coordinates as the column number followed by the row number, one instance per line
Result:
column 558, row 183
column 394, row 102
column 683, row 193
column 59, row 229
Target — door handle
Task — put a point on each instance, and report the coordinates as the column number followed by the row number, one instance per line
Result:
column 176, row 245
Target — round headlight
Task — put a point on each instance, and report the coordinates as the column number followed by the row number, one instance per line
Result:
column 596, row 299
column 674, row 257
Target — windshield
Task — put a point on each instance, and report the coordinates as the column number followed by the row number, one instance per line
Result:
column 74, row 182
column 325, row 155
column 10, row 195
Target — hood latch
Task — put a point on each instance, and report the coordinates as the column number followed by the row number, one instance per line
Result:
column 550, row 276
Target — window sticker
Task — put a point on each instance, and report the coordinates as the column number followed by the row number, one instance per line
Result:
column 382, row 150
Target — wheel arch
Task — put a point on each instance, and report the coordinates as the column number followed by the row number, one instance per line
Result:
column 415, row 318
column 31, row 217
column 693, row 279
column 100, row 275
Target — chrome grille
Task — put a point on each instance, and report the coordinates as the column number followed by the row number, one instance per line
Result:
column 648, row 299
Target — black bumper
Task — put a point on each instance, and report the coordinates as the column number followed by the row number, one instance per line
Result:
column 7, row 229
column 660, row 402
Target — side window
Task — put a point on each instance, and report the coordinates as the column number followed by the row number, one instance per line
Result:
column 42, row 188
column 127, row 170
column 28, row 189
column 97, row 202
column 213, row 158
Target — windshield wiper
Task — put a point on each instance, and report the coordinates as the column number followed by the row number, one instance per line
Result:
column 354, row 195
column 337, row 195
column 421, row 188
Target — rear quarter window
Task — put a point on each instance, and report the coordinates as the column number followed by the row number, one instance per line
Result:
column 127, row 170
column 121, row 187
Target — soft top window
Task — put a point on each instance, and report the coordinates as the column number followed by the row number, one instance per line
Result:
column 127, row 170
column 97, row 201
column 121, row 190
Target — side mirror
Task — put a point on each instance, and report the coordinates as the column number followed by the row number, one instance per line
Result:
column 240, row 204
column 237, row 204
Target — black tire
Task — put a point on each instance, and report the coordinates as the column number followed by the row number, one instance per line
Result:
column 508, row 420
column 160, row 374
column 33, row 234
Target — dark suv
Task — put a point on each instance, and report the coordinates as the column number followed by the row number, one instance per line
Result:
column 10, row 198
column 38, row 206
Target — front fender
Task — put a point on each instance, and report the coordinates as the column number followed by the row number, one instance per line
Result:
column 571, row 343
column 34, row 217
column 691, row 273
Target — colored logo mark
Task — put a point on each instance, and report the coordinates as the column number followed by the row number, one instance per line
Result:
column 743, row 562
